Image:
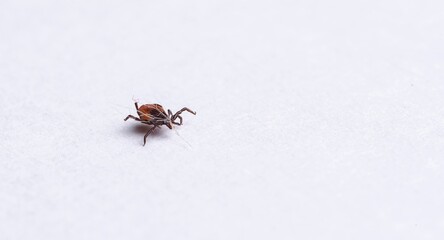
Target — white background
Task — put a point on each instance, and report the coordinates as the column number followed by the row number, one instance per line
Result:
column 315, row 119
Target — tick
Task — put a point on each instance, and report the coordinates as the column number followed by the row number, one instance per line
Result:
column 154, row 115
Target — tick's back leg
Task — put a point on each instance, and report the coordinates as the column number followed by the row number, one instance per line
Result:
column 131, row 116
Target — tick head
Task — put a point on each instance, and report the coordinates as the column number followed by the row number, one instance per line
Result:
column 168, row 124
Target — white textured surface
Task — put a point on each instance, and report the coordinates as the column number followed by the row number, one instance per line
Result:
column 316, row 119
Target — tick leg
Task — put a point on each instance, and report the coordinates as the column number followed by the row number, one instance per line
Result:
column 180, row 122
column 176, row 115
column 185, row 109
column 148, row 133
column 137, row 105
column 131, row 116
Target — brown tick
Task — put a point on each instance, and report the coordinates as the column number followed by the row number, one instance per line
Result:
column 155, row 115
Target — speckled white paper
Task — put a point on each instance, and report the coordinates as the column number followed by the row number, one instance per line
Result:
column 315, row 119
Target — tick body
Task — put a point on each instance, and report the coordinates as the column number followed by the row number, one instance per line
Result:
column 154, row 115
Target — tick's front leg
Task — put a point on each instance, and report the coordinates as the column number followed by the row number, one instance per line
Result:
column 176, row 115
column 185, row 109
column 147, row 134
column 180, row 121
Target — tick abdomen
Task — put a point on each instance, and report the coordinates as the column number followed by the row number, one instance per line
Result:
column 149, row 111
